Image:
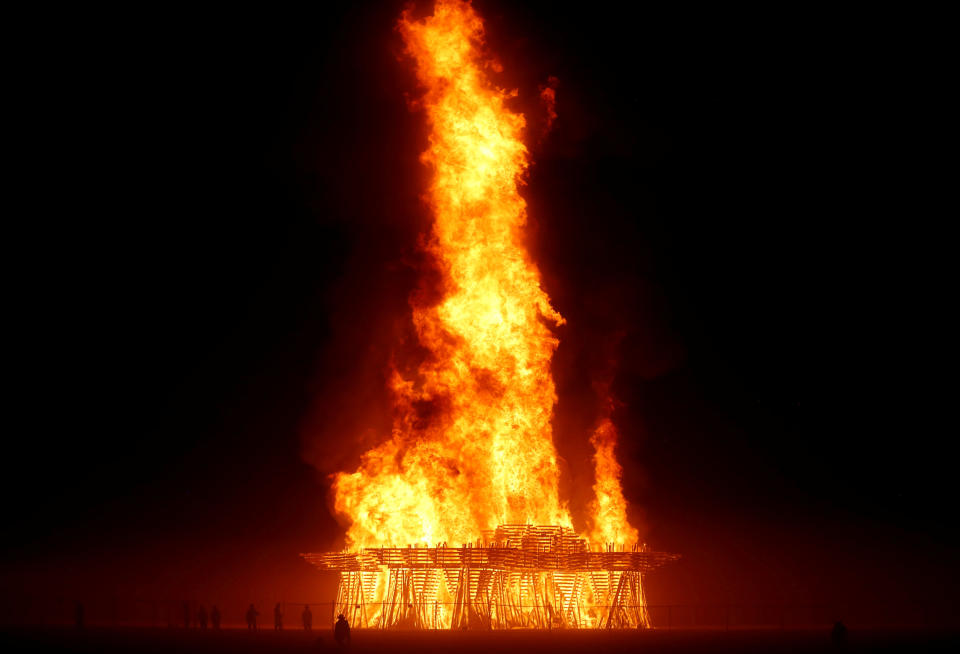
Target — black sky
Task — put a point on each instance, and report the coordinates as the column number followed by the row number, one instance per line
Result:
column 228, row 217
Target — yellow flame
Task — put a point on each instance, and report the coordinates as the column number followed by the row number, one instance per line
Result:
column 609, row 508
column 472, row 445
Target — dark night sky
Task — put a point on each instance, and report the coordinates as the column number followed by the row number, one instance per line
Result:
column 227, row 232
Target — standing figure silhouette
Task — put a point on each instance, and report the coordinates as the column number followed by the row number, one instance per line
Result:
column 341, row 631
column 307, row 618
column 839, row 634
column 277, row 618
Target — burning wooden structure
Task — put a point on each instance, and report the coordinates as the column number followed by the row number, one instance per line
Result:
column 523, row 576
column 471, row 442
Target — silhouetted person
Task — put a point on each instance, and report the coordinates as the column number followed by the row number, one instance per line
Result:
column 839, row 634
column 202, row 617
column 186, row 615
column 78, row 616
column 215, row 617
column 307, row 618
column 277, row 618
column 252, row 614
column 341, row 631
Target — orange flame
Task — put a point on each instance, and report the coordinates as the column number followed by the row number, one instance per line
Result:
column 472, row 446
column 609, row 508
column 548, row 96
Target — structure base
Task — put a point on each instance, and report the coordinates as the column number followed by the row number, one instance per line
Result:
column 523, row 576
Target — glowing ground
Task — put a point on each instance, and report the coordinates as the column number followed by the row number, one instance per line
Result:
column 507, row 642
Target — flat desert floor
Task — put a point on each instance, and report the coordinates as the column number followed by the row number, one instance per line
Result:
column 497, row 642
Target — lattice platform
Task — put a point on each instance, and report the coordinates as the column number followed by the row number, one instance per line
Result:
column 520, row 576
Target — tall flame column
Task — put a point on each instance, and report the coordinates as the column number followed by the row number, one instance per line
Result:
column 471, row 457
column 484, row 456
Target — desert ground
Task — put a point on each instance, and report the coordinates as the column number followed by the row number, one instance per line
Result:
column 497, row 642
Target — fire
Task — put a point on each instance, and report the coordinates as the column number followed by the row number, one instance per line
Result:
column 609, row 508
column 471, row 446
